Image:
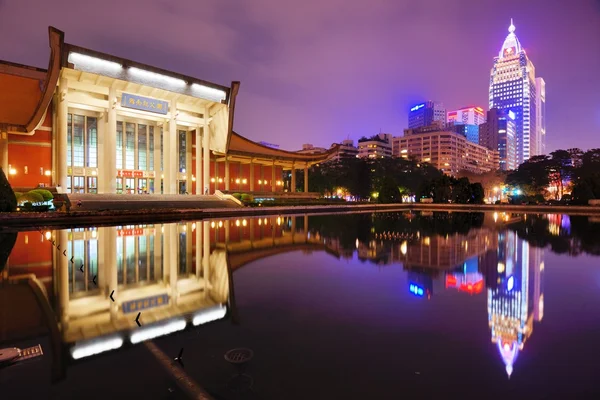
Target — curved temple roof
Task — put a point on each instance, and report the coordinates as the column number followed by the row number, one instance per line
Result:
column 511, row 46
column 241, row 146
column 26, row 91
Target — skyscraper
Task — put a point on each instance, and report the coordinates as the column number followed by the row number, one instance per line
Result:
column 540, row 109
column 513, row 87
column 424, row 114
column 499, row 133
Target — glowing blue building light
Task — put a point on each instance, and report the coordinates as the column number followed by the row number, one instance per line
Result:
column 417, row 107
column 510, row 284
column 416, row 290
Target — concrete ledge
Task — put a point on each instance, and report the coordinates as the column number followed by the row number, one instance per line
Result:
column 99, row 218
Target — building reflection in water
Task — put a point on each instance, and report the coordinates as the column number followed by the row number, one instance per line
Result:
column 516, row 298
column 180, row 275
column 175, row 275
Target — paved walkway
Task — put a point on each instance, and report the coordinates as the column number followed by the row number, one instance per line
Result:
column 91, row 202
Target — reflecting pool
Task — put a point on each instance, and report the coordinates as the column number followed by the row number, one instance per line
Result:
column 367, row 305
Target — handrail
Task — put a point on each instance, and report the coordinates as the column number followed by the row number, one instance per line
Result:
column 223, row 196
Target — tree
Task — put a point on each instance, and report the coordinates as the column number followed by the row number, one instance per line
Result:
column 531, row 177
column 388, row 192
column 8, row 201
column 477, row 193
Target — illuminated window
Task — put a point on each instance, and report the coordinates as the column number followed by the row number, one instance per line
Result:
column 182, row 150
column 119, row 145
column 151, row 148
column 129, row 146
column 142, row 148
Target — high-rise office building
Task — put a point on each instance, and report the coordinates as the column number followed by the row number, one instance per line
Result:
column 424, row 114
column 513, row 87
column 466, row 121
column 540, row 109
column 467, row 115
column 499, row 133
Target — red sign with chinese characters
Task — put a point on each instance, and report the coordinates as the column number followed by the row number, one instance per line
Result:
column 131, row 232
column 130, row 174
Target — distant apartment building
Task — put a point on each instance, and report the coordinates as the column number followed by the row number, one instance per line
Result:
column 310, row 149
column 376, row 146
column 499, row 133
column 425, row 114
column 347, row 150
column 446, row 150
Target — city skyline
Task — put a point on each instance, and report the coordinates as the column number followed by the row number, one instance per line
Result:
column 268, row 52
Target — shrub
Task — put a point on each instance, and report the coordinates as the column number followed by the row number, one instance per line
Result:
column 247, row 198
column 31, row 197
column 237, row 195
column 46, row 194
column 8, row 201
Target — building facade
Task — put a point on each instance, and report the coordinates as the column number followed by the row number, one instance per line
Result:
column 347, row 149
column 499, row 133
column 425, row 114
column 446, row 150
column 377, row 146
column 540, row 111
column 467, row 115
column 97, row 123
column 513, row 88
column 470, row 131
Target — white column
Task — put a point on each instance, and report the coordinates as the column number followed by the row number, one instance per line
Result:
column 227, row 179
column 102, row 181
column 206, row 253
column 158, row 266
column 167, row 156
column 61, row 124
column 173, row 167
column 206, row 152
column 110, row 145
column 4, row 153
column 173, row 257
column 199, row 232
column 110, row 264
column 62, row 239
column 199, row 181
column 293, row 184
column 157, row 154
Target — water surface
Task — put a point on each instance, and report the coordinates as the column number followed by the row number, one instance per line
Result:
column 371, row 305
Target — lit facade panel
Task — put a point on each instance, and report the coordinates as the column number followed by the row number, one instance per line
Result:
column 448, row 151
column 513, row 87
column 425, row 114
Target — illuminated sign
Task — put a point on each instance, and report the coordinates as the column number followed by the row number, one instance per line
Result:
column 416, row 290
column 511, row 115
column 144, row 103
column 145, row 303
column 130, row 174
column 417, row 107
column 131, row 232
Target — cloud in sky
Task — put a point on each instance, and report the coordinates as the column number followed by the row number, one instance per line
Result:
column 318, row 71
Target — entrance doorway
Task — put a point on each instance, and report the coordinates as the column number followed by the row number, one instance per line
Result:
column 142, row 186
column 78, row 184
column 182, row 187
column 129, row 185
column 92, row 186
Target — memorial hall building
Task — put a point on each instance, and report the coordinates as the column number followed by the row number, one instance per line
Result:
column 101, row 124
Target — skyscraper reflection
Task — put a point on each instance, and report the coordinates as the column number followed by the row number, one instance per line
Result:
column 516, row 298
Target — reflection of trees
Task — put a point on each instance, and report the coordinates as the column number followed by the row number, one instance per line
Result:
column 583, row 238
column 7, row 242
column 349, row 227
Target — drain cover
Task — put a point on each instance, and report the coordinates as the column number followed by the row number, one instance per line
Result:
column 239, row 356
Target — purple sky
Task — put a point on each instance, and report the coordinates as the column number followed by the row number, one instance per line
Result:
column 320, row 71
